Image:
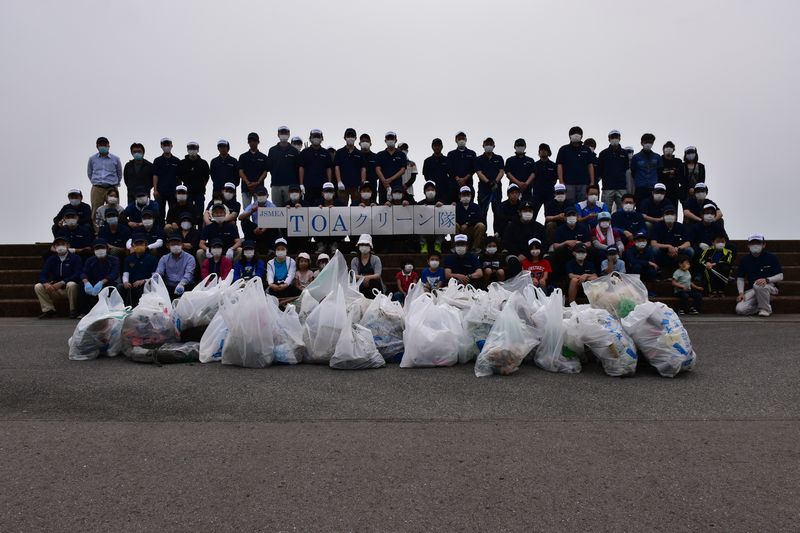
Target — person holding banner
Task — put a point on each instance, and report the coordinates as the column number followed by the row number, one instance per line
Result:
column 263, row 237
column 469, row 219
column 368, row 267
column 315, row 168
column 366, row 193
column 329, row 199
column 390, row 165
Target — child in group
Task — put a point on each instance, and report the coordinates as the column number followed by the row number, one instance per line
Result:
column 716, row 263
column 405, row 278
column 322, row 262
column 491, row 262
column 281, row 270
column 433, row 276
column 304, row 275
column 579, row 269
column 612, row 262
column 218, row 263
column 689, row 293
column 250, row 265
column 539, row 268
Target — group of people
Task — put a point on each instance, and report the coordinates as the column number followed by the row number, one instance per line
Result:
column 613, row 211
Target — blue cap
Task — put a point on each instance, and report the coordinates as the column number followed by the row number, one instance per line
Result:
column 99, row 242
column 215, row 242
column 139, row 237
column 248, row 244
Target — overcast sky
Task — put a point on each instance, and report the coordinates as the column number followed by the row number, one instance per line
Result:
column 721, row 75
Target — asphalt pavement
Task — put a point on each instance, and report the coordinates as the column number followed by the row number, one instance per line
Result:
column 111, row 445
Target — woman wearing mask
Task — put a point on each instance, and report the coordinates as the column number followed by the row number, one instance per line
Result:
column 671, row 173
column 281, row 270
column 604, row 235
column 111, row 201
column 368, row 267
column 190, row 236
column 250, row 265
column 694, row 172
column 218, row 263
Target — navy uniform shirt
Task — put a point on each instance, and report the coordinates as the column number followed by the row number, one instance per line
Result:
column 224, row 170
column 674, row 236
column 176, row 210
column 652, row 209
column 521, row 167
column 469, row 214
column 461, row 162
column 95, row 269
column 153, row 234
column 695, row 207
column 350, row 163
column 490, row 165
column 227, row 232
column 55, row 270
column 84, row 211
column 705, row 233
column 139, row 268
column 194, row 174
column 191, row 237
column 612, row 168
column 580, row 232
column 166, row 168
column 586, row 268
column 78, row 237
column 752, row 268
column 576, row 161
column 370, row 159
column 435, row 169
column 545, row 180
column 134, row 212
column 517, row 234
column 553, row 208
column 391, row 164
column 462, row 264
column 232, row 205
column 633, row 221
column 284, row 162
column 671, row 174
column 253, row 164
column 506, row 213
column 315, row 163
column 115, row 238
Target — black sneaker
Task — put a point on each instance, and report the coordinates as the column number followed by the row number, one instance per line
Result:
column 73, row 314
column 47, row 314
column 694, row 311
column 681, row 312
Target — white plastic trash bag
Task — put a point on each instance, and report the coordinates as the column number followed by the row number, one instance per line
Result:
column 479, row 319
column 323, row 327
column 288, row 336
column 151, row 323
column 428, row 336
column 213, row 340
column 518, row 283
column 616, row 293
column 100, row 331
column 414, row 291
column 385, row 320
column 549, row 325
column 511, row 339
column 602, row 333
column 355, row 349
column 196, row 308
column 661, row 337
column 249, row 342
column 332, row 276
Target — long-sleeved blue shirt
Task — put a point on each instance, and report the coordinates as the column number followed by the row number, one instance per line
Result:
column 64, row 269
column 176, row 270
column 95, row 269
column 104, row 169
column 645, row 167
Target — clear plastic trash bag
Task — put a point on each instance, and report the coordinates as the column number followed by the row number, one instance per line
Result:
column 385, row 320
column 511, row 339
column 616, row 293
column 100, row 331
column 249, row 342
column 356, row 349
column 428, row 336
column 549, row 325
column 602, row 333
column 323, row 326
column 152, row 322
column 661, row 338
column 166, row 354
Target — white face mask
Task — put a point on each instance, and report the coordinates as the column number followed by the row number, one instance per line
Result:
column 430, row 195
column 614, row 142
column 397, row 196
column 166, row 149
column 491, row 250
column 176, row 249
column 219, row 220
column 186, row 225
column 519, row 150
column 647, row 146
column 100, row 253
column 390, row 143
column 61, row 250
column 433, row 264
column 669, row 219
column 628, row 208
column 217, row 202
column 298, row 147
column 669, row 151
column 461, row 250
column 756, row 249
column 295, row 196
column 719, row 245
column 488, row 148
column 365, row 145
column 316, row 141
column 249, row 254
column 709, row 218
column 181, row 197
column 580, row 256
column 261, row 199
column 227, row 195
column 560, row 197
column 408, row 268
column 605, row 224
column 71, row 222
column 112, row 221
column 641, row 244
column 364, row 249
column 465, row 200
column 700, row 195
column 350, row 141
column 141, row 200
column 571, row 221
column 112, row 200
column 280, row 254
column 327, row 195
column 283, row 137
column 366, row 195
column 216, row 252
column 526, row 216
column 192, row 152
column 592, row 198
column 575, row 138
column 75, row 202
column 147, row 223
column 461, row 143
column 658, row 197
column 535, row 252
column 690, row 157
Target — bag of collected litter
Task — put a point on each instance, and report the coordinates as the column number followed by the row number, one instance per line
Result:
column 414, row 292
column 384, row 319
column 151, row 323
column 428, row 337
column 479, row 319
column 213, row 339
column 196, row 308
column 289, row 346
column 549, row 326
column 355, row 349
column 323, row 327
column 511, row 339
column 616, row 293
column 518, row 282
column 167, row 354
column 305, row 303
column 456, row 295
column 661, row 337
column 602, row 333
column 100, row 331
column 249, row 341
column 332, row 276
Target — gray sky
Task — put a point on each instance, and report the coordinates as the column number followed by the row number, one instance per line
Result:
column 720, row 75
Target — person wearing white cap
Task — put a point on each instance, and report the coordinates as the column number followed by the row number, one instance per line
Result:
column 182, row 206
column 284, row 167
column 390, row 165
column 165, row 178
column 646, row 168
column 694, row 206
column 462, row 265
column 74, row 203
column 193, row 172
column 652, row 207
column 224, row 168
column 281, row 271
column 368, row 267
column 316, row 168
column 329, row 199
column 297, row 143
column 554, row 211
column 702, row 233
column 253, row 167
column 104, row 171
column 461, row 163
column 322, row 262
column 138, row 172
column 693, row 171
column 303, row 276
column 758, row 273
column 612, row 169
column 469, row 219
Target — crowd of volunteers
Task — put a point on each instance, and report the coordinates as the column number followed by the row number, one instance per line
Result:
column 566, row 220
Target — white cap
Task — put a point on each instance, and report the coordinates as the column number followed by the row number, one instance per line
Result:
column 512, row 187
column 365, row 238
column 74, row 191
column 700, row 185
column 709, row 206
column 534, row 240
column 320, row 257
column 465, row 189
column 165, row 140
column 223, row 141
column 559, row 187
column 690, row 147
column 460, row 133
column 296, row 139
column 628, row 148
column 229, row 185
column 283, row 128
column 756, row 237
column 461, row 238
column 304, row 255
column 390, row 134
column 193, row 143
column 327, row 185
column 315, row 131
column 429, row 182
column 614, row 132
column 280, row 240
column 181, row 188
column 660, row 186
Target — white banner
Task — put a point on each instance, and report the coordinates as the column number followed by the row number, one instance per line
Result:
column 298, row 222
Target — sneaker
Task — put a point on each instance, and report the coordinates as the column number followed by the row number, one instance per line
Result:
column 681, row 312
column 74, row 314
column 47, row 314
column 651, row 295
column 763, row 312
column 423, row 248
column 437, row 247
column 693, row 311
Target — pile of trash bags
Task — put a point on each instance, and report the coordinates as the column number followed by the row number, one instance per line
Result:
column 333, row 324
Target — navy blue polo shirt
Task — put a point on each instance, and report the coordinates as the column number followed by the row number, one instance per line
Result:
column 674, row 236
column 462, row 264
column 153, row 234
column 545, row 180
column 350, row 163
column 78, row 237
column 490, row 165
column 224, row 170
column 435, row 169
column 652, row 209
column 391, row 164
column 521, row 166
column 139, row 268
column 586, row 268
column 117, row 238
column 695, row 207
column 469, row 214
column 461, row 162
column 370, row 159
column 553, row 208
column 55, row 270
column 253, row 164
column 612, row 167
column 84, row 211
column 633, row 221
column 227, row 232
column 576, row 161
column 232, row 205
column 95, row 269
column 764, row 266
column 705, row 233
column 284, row 162
column 176, row 210
column 134, row 213
column 315, row 162
column 166, row 168
column 580, row 233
